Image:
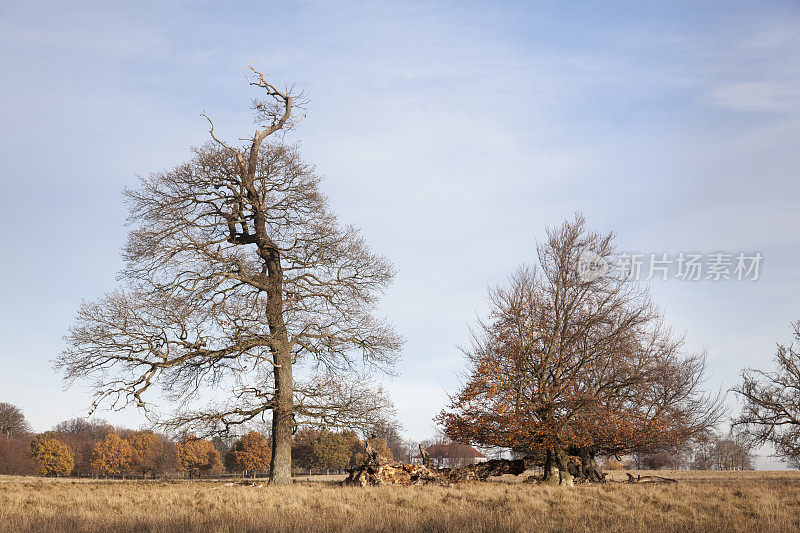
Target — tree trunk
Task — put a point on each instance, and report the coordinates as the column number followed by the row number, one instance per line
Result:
column 556, row 468
column 281, row 462
column 268, row 251
column 283, row 401
column 551, row 476
column 590, row 470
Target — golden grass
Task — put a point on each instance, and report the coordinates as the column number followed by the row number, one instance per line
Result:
column 702, row 501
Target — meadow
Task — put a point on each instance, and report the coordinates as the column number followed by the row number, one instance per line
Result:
column 701, row 501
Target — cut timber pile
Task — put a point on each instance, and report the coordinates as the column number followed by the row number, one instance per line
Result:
column 376, row 471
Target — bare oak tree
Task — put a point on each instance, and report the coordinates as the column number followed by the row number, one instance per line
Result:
column 243, row 295
column 771, row 413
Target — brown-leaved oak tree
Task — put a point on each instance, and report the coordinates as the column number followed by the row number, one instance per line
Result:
column 570, row 365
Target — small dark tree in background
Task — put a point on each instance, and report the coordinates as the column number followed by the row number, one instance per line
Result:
column 302, row 444
column 330, row 451
column 356, row 448
column 12, row 421
column 657, row 459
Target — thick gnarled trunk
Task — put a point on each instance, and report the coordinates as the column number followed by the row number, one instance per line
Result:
column 556, row 468
column 577, row 466
column 588, row 469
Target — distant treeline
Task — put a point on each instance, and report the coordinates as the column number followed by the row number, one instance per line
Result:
column 95, row 448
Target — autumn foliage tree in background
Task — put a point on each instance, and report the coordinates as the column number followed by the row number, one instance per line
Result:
column 771, row 413
column 239, row 278
column 91, row 449
column 250, row 454
column 147, row 453
column 198, row 457
column 51, row 456
column 576, row 364
column 112, row 456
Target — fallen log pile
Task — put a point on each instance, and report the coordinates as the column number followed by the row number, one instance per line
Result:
column 377, row 471
column 650, row 479
column 392, row 473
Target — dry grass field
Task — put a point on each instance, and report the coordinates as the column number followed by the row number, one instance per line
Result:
column 702, row 501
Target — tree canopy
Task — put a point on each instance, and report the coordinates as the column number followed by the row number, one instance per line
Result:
column 12, row 420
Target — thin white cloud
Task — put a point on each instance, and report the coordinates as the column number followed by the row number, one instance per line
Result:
column 773, row 96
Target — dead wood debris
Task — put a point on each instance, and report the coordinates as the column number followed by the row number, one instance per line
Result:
column 650, row 479
column 378, row 472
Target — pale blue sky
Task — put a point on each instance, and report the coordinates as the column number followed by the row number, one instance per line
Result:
column 452, row 133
